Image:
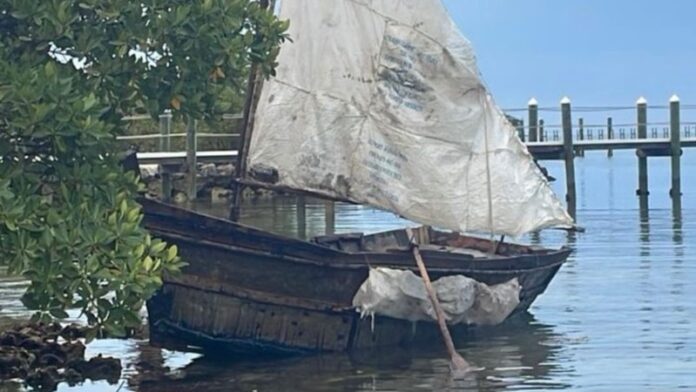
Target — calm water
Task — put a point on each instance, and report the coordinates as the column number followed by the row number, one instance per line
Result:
column 619, row 315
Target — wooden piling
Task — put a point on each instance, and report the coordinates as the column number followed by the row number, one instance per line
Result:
column 301, row 215
column 533, row 111
column 675, row 145
column 541, row 130
column 642, row 120
column 191, row 146
column 329, row 217
column 569, row 155
column 165, row 127
column 610, row 136
column 581, row 136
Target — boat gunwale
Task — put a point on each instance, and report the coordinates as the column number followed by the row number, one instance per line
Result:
column 542, row 257
column 367, row 259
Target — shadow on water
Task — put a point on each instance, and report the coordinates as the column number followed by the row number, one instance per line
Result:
column 522, row 354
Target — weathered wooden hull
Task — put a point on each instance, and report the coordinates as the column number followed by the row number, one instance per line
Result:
column 247, row 291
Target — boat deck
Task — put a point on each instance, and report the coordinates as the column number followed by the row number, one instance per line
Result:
column 428, row 239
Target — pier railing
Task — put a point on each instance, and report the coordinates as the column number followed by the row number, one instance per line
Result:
column 563, row 140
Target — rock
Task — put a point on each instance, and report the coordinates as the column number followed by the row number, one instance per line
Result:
column 15, row 362
column 218, row 193
column 32, row 343
column 149, row 172
column 73, row 377
column 44, row 378
column 72, row 332
column 208, row 170
column 34, row 353
column 9, row 339
column 180, row 197
column 73, row 351
column 50, row 359
column 98, row 368
column 226, row 170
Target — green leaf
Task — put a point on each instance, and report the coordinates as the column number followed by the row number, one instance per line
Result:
column 89, row 101
column 133, row 214
column 172, row 252
column 158, row 247
column 139, row 251
column 59, row 313
column 90, row 334
column 147, row 263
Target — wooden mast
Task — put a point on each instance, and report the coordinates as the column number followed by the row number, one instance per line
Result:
column 254, row 84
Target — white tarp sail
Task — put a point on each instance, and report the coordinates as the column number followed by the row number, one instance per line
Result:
column 380, row 102
column 401, row 294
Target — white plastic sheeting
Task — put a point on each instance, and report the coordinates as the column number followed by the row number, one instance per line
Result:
column 401, row 294
column 380, row 102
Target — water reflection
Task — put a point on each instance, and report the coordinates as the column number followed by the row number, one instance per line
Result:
column 644, row 221
column 523, row 354
column 618, row 316
column 677, row 220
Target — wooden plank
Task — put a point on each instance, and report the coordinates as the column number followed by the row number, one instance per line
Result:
column 229, row 318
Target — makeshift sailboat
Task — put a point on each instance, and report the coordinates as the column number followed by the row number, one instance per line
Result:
column 377, row 102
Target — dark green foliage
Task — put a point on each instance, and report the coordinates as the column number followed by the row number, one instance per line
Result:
column 69, row 72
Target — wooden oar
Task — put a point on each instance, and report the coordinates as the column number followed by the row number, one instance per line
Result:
column 457, row 363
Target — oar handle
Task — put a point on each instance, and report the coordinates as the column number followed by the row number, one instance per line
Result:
column 457, row 361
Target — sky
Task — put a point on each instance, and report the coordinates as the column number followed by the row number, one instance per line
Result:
column 597, row 52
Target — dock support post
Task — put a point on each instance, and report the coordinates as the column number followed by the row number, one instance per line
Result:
column 301, row 213
column 642, row 111
column 610, row 136
column 675, row 146
column 329, row 217
column 520, row 131
column 191, row 158
column 569, row 155
column 165, row 126
column 581, row 136
column 533, row 110
column 541, row 130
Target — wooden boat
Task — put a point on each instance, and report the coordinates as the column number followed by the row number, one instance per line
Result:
column 393, row 115
column 252, row 292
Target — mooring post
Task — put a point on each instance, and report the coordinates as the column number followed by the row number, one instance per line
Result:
column 569, row 155
column 675, row 145
column 191, row 163
column 165, row 128
column 533, row 110
column 541, row 130
column 520, row 130
column 329, row 217
column 301, row 212
column 581, row 136
column 642, row 111
column 165, row 143
column 610, row 136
